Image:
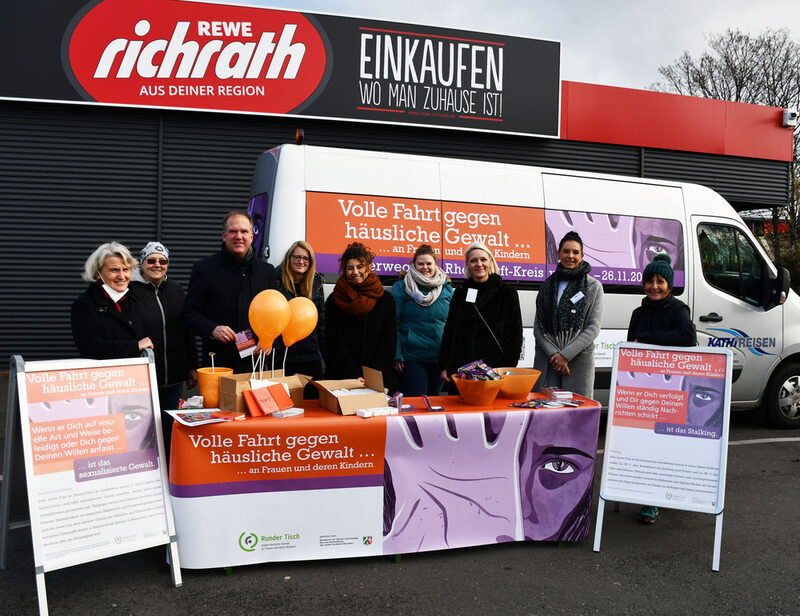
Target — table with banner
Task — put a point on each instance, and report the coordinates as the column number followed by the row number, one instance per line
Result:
column 323, row 485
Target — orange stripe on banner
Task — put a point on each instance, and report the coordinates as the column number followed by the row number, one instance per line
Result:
column 320, row 444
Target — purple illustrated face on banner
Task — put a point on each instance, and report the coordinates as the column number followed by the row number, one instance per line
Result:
column 137, row 410
column 706, row 400
column 472, row 478
column 556, row 471
column 258, row 208
column 67, row 409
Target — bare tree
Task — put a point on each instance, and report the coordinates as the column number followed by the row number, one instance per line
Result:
column 765, row 70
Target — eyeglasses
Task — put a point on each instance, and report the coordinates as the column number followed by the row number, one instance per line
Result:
column 301, row 258
column 153, row 261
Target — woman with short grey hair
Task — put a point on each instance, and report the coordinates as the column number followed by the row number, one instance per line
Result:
column 96, row 260
column 106, row 319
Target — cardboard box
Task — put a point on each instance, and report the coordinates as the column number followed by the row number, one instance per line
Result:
column 232, row 386
column 348, row 405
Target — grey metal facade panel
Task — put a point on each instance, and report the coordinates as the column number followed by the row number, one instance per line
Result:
column 746, row 183
column 70, row 178
column 73, row 176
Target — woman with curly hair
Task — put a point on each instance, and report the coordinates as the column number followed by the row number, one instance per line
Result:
column 361, row 321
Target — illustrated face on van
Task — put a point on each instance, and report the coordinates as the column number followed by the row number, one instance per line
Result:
column 652, row 236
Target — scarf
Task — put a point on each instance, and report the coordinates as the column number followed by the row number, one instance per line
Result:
column 357, row 299
column 414, row 280
column 114, row 295
column 564, row 321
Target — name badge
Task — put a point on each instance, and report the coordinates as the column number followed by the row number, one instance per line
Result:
column 577, row 297
column 472, row 295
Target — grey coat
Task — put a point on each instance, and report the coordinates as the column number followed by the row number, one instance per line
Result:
column 579, row 352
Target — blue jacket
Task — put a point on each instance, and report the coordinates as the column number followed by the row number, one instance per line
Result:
column 419, row 328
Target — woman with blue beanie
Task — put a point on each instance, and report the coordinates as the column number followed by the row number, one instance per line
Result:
column 662, row 319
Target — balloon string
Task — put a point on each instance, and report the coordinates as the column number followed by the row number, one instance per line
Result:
column 285, row 353
column 272, row 375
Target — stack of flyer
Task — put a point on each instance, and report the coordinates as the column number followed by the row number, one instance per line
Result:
column 556, row 393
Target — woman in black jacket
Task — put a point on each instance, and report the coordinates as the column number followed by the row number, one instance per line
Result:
column 296, row 276
column 106, row 318
column 662, row 319
column 361, row 320
column 174, row 346
column 484, row 320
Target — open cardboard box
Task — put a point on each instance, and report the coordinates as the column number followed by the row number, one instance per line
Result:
column 348, row 405
column 232, row 386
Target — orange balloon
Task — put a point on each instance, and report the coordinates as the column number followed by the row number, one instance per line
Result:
column 302, row 322
column 269, row 314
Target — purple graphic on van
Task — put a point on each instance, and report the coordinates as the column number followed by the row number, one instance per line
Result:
column 617, row 247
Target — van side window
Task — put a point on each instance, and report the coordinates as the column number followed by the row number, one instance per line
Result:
column 730, row 262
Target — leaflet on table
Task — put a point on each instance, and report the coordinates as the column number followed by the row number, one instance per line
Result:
column 205, row 416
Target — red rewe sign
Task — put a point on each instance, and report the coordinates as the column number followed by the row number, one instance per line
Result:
column 172, row 53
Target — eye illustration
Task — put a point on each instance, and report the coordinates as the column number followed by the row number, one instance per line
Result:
column 562, row 467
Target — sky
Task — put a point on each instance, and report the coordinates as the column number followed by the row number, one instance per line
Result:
column 610, row 42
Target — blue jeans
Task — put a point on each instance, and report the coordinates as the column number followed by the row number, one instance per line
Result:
column 420, row 378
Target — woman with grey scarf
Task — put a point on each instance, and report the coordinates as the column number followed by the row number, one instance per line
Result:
column 569, row 309
column 423, row 300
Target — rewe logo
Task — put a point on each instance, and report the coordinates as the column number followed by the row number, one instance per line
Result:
column 185, row 54
column 234, row 60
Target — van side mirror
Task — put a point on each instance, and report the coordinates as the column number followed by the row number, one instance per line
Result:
column 779, row 289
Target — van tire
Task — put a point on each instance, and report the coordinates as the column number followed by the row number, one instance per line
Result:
column 783, row 397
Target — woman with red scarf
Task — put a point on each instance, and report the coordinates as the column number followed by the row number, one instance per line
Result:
column 361, row 320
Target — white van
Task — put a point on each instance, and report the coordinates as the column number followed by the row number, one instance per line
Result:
column 393, row 203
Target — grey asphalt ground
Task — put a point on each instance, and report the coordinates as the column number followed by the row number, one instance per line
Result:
column 660, row 569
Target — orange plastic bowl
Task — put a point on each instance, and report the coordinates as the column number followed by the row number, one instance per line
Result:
column 477, row 393
column 519, row 383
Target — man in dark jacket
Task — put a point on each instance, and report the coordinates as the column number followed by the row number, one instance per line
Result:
column 221, row 288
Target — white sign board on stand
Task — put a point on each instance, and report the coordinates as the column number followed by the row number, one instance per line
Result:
column 667, row 430
column 97, row 485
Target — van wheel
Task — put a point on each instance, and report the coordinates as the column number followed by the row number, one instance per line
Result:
column 783, row 397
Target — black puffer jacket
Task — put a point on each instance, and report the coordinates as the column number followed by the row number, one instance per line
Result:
column 221, row 288
column 312, row 348
column 101, row 330
column 666, row 322
column 174, row 346
column 466, row 337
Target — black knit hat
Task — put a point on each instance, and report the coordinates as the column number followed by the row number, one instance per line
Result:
column 659, row 265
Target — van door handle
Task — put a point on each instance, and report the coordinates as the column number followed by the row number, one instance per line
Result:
column 712, row 317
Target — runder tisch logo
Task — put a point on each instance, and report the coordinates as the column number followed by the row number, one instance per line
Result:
column 248, row 541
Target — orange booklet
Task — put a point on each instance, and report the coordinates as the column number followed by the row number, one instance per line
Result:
column 267, row 400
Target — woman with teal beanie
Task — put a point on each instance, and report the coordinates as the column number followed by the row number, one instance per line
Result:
column 662, row 319
column 423, row 301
